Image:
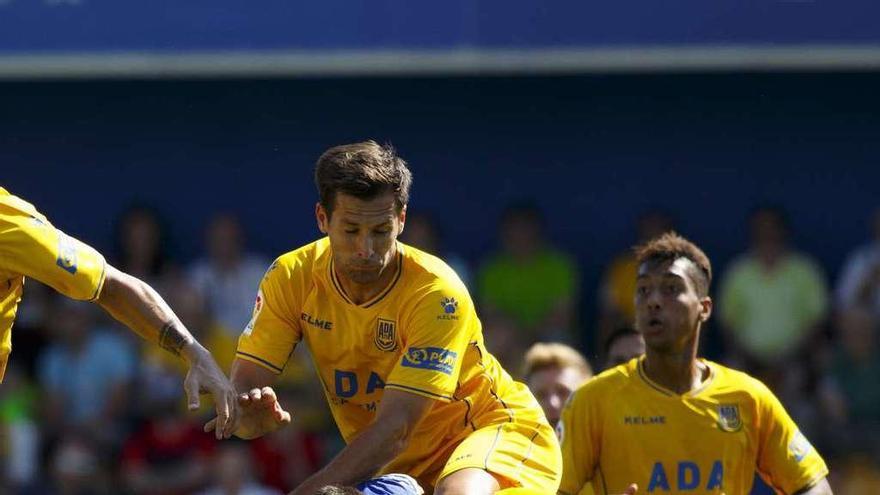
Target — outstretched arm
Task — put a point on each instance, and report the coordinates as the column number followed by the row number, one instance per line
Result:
column 137, row 306
column 398, row 415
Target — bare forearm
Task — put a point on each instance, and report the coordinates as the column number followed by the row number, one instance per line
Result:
column 361, row 459
column 139, row 307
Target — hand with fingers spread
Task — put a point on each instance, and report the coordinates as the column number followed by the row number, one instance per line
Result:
column 204, row 376
column 259, row 413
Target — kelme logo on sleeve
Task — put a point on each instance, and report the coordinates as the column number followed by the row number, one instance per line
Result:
column 430, row 358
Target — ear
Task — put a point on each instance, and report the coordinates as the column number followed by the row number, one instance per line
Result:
column 402, row 219
column 322, row 218
column 705, row 309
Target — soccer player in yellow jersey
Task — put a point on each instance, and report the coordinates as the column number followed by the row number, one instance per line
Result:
column 670, row 422
column 30, row 246
column 397, row 345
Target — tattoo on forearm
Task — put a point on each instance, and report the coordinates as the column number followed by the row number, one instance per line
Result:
column 172, row 339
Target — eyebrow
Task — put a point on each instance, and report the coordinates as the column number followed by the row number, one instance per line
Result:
column 356, row 224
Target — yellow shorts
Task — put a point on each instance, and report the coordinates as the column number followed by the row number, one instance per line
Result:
column 519, row 454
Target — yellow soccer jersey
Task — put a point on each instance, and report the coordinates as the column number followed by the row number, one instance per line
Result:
column 421, row 334
column 31, row 247
column 621, row 428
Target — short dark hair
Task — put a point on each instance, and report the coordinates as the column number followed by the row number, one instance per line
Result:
column 363, row 170
column 671, row 246
column 618, row 334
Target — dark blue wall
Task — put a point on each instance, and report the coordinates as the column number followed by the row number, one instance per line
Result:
column 594, row 151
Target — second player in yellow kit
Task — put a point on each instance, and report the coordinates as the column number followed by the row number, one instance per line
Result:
column 670, row 422
column 397, row 344
column 627, row 429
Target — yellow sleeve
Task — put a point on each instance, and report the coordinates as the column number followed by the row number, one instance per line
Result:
column 273, row 332
column 579, row 443
column 34, row 248
column 435, row 337
column 786, row 459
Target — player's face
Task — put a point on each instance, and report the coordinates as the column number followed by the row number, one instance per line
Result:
column 669, row 309
column 552, row 387
column 625, row 348
column 363, row 235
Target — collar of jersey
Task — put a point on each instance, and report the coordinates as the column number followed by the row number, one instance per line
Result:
column 640, row 369
column 334, row 280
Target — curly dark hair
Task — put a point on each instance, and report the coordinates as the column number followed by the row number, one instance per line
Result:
column 671, row 246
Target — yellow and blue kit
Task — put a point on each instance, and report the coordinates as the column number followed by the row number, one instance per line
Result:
column 622, row 428
column 421, row 335
column 31, row 247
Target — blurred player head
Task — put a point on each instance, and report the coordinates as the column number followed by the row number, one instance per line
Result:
column 622, row 345
column 553, row 372
column 768, row 227
column 364, row 190
column 522, row 229
column 672, row 293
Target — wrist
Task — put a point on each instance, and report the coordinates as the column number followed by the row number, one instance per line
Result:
column 192, row 351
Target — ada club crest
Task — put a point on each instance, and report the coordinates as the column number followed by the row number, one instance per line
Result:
column 728, row 417
column 386, row 337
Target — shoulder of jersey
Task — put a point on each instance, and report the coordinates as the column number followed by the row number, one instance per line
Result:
column 610, row 380
column 733, row 380
column 14, row 202
column 427, row 268
column 301, row 258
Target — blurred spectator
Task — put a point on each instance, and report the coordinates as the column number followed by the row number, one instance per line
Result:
column 618, row 286
column 86, row 374
column 859, row 283
column 772, row 299
column 622, row 345
column 504, row 339
column 77, row 468
column 422, row 233
column 141, row 244
column 233, row 472
column 19, row 433
column 553, row 371
column 229, row 276
column 529, row 281
column 849, row 393
column 168, row 455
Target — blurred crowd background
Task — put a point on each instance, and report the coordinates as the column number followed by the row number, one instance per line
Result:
column 88, row 408
column 545, row 141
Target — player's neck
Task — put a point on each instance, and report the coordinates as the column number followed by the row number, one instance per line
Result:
column 361, row 293
column 679, row 372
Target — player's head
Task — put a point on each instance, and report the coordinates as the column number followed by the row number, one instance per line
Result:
column 768, row 227
column 672, row 292
column 553, row 372
column 364, row 190
column 622, row 345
